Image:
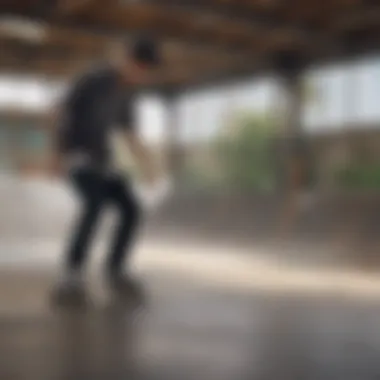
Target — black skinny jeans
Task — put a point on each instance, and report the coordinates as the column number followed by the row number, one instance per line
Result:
column 97, row 190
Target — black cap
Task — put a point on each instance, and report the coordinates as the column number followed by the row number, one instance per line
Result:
column 145, row 51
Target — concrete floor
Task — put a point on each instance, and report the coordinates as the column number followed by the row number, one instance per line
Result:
column 211, row 313
column 207, row 316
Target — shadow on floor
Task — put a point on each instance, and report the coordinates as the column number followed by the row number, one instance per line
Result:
column 188, row 331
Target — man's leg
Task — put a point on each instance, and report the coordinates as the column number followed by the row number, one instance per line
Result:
column 122, row 283
column 121, row 196
column 91, row 189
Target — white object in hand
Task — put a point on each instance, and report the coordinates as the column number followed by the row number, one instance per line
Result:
column 152, row 197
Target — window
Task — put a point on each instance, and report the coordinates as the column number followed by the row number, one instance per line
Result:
column 367, row 78
column 324, row 99
column 343, row 97
column 204, row 113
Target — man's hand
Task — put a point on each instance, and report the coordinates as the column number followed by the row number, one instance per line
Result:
column 153, row 197
column 144, row 159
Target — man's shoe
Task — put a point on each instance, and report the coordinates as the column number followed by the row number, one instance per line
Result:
column 70, row 291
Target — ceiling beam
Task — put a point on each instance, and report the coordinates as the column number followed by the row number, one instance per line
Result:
column 68, row 47
column 231, row 76
column 62, row 7
column 72, row 7
column 228, row 12
column 103, row 29
column 235, row 75
column 232, row 12
column 363, row 14
column 66, row 55
column 52, row 57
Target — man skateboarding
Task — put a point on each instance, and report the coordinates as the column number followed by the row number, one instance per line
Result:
column 99, row 102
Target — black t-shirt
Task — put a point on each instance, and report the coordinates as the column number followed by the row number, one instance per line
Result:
column 97, row 103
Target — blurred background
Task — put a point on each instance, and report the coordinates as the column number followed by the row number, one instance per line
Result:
column 266, row 115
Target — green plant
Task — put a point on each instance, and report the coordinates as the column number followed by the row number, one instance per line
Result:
column 240, row 158
column 245, row 154
column 359, row 176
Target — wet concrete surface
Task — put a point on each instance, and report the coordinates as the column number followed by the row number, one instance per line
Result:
column 185, row 330
column 210, row 313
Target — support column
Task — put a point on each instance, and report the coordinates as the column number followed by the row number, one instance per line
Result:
column 293, row 159
column 293, row 148
column 173, row 146
column 293, row 134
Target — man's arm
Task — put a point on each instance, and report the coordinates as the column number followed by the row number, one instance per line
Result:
column 143, row 156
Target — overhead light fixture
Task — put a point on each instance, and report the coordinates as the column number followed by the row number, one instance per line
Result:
column 23, row 28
